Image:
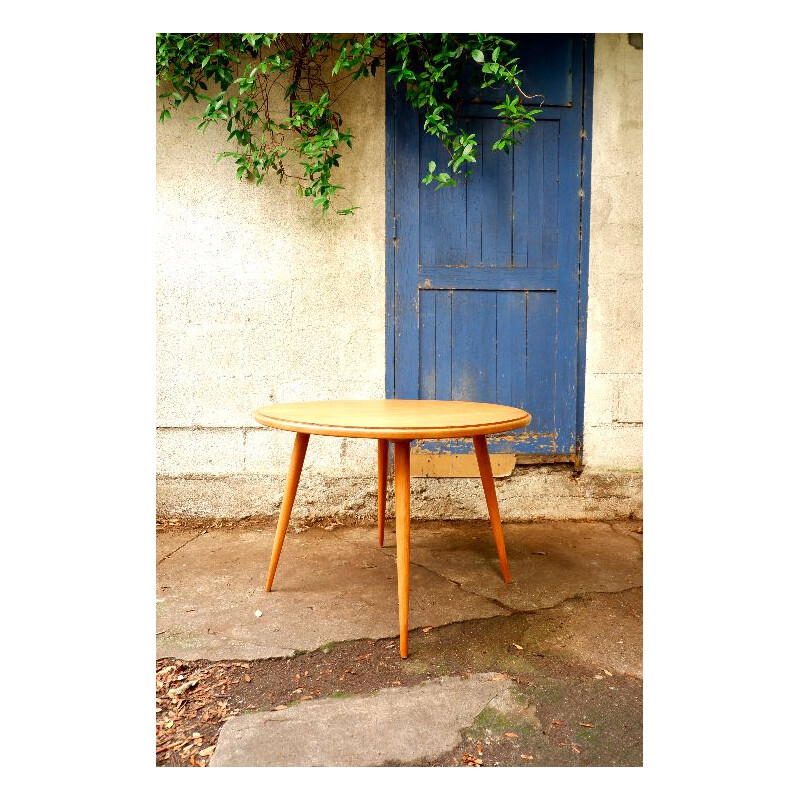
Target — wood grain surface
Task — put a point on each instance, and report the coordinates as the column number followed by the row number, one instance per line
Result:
column 393, row 419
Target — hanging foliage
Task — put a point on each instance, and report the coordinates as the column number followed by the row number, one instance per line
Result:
column 238, row 75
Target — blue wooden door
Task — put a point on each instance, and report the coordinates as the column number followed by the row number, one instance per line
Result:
column 486, row 280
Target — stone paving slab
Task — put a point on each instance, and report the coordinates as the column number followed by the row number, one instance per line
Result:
column 399, row 724
column 337, row 585
column 603, row 631
column 327, row 589
column 549, row 562
column 170, row 540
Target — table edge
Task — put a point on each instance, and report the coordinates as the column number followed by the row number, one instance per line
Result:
column 436, row 432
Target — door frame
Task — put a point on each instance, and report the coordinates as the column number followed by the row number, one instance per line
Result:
column 586, row 99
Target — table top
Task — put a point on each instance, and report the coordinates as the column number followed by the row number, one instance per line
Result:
column 393, row 419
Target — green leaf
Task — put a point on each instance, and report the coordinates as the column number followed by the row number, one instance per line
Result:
column 426, row 64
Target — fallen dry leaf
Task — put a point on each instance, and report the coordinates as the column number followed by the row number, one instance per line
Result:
column 527, row 758
column 557, row 722
column 207, row 751
column 182, row 688
column 512, row 735
column 279, row 708
column 610, row 674
column 518, row 646
column 586, row 724
column 429, row 628
column 539, row 553
column 247, row 678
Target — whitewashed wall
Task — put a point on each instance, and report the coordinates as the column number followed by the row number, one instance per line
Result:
column 613, row 411
column 260, row 299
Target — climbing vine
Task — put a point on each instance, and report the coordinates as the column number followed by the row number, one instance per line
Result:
column 277, row 93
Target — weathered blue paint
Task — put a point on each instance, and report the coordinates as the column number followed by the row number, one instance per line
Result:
column 486, row 284
column 588, row 95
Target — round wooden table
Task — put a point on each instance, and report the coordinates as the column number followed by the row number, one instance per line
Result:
column 398, row 421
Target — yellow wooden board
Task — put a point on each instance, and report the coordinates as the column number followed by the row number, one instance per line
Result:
column 459, row 465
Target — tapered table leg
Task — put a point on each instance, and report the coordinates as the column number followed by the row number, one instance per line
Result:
column 402, row 503
column 487, row 479
column 383, row 458
column 295, row 466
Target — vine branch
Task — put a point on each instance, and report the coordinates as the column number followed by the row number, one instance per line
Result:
column 248, row 69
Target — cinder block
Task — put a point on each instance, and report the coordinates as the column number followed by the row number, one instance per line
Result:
column 601, row 399
column 613, row 350
column 227, row 401
column 613, row 447
column 616, row 199
column 629, row 404
column 175, row 406
column 267, row 451
column 615, row 300
column 616, row 250
column 195, row 452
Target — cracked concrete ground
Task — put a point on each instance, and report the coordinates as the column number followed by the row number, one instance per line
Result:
column 567, row 630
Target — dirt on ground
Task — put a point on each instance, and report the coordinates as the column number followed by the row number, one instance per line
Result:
column 581, row 716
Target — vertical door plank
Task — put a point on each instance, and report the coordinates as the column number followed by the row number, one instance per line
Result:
column 444, row 345
column 549, row 189
column 511, row 349
column 441, row 212
column 474, row 196
column 427, row 345
column 475, row 346
column 569, row 264
column 541, row 360
column 406, row 274
column 496, row 200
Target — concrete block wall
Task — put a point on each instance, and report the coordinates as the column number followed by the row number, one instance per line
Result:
column 260, row 299
column 613, row 419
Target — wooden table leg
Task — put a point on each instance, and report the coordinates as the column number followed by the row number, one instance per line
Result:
column 383, row 458
column 402, row 502
column 293, row 478
column 487, row 479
